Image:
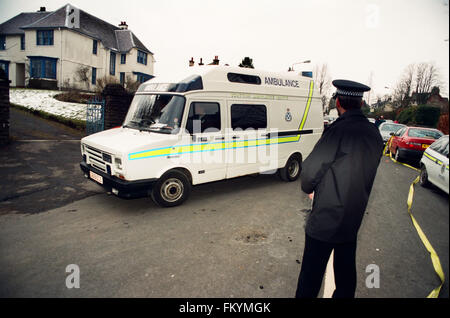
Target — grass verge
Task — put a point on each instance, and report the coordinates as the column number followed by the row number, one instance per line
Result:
column 72, row 123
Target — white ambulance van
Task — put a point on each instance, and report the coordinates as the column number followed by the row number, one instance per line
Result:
column 211, row 123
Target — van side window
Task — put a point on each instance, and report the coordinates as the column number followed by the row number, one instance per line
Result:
column 248, row 116
column 441, row 146
column 203, row 116
column 244, row 78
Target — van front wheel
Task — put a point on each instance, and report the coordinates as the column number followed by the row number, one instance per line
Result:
column 172, row 189
column 291, row 171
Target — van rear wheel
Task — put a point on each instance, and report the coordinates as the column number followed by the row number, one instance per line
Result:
column 291, row 171
column 172, row 189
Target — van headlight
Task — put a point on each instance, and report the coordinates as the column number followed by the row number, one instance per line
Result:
column 118, row 163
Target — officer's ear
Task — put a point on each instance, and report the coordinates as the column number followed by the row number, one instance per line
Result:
column 338, row 103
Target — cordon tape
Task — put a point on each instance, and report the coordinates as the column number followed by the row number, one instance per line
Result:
column 434, row 257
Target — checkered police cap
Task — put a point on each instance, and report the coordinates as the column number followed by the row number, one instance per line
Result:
column 349, row 88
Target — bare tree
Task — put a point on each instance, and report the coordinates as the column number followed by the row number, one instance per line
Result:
column 82, row 74
column 370, row 85
column 427, row 77
column 403, row 89
column 322, row 79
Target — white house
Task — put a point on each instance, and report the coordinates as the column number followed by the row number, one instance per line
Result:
column 49, row 49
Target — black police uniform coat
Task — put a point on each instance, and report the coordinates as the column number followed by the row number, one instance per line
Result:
column 341, row 170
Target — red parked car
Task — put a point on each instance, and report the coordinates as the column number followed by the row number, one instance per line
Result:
column 411, row 142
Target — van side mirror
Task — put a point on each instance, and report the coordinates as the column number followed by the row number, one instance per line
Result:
column 391, row 133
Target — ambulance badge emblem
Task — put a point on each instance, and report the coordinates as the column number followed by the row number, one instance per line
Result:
column 288, row 116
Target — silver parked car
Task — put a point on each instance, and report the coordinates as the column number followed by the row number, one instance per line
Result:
column 387, row 128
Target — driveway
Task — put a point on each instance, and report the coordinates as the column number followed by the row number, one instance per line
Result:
column 39, row 169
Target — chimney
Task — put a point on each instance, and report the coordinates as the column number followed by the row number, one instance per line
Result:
column 201, row 62
column 42, row 9
column 123, row 25
column 191, row 62
column 216, row 60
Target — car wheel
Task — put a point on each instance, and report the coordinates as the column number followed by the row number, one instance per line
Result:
column 423, row 179
column 397, row 154
column 172, row 189
column 291, row 171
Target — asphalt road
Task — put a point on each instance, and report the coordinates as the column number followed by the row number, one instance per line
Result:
column 237, row 238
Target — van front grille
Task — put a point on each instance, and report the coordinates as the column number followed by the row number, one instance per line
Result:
column 96, row 158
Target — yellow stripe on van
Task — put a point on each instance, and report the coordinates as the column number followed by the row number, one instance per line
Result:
column 177, row 150
column 308, row 104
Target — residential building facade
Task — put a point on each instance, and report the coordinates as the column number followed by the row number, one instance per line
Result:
column 70, row 48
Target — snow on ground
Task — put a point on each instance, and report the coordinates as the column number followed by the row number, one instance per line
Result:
column 43, row 100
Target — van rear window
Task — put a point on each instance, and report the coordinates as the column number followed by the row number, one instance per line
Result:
column 244, row 78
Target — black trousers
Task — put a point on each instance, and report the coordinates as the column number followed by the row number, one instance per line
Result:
column 315, row 259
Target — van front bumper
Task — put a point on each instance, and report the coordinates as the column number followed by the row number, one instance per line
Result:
column 121, row 188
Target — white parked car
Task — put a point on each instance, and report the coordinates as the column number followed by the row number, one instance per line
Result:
column 434, row 164
column 387, row 128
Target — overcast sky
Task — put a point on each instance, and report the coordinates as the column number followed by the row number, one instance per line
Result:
column 354, row 37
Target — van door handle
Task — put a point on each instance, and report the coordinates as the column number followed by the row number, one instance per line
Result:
column 203, row 139
column 219, row 138
column 236, row 137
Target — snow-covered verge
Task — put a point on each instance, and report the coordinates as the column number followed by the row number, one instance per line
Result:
column 44, row 100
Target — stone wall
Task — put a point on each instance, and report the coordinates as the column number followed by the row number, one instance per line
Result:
column 117, row 102
column 4, row 108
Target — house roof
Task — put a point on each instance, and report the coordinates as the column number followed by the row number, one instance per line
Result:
column 13, row 25
column 110, row 35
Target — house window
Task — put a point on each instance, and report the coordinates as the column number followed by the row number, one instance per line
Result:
column 142, row 57
column 43, row 67
column 122, row 78
column 44, row 37
column 94, row 47
column 22, row 42
column 94, row 76
column 2, row 42
column 112, row 63
column 123, row 59
column 4, row 65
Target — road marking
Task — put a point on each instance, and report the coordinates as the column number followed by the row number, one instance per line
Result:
column 329, row 285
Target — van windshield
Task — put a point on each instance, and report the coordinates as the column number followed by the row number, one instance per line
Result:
column 161, row 113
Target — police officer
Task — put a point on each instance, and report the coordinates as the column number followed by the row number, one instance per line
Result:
column 339, row 172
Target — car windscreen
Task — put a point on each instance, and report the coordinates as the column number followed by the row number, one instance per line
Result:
column 424, row 133
column 160, row 113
